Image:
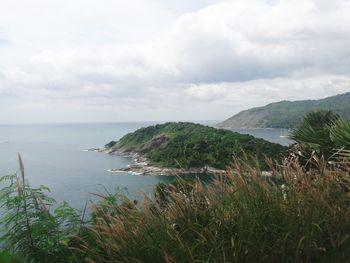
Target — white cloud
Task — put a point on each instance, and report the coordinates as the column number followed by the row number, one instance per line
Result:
column 208, row 64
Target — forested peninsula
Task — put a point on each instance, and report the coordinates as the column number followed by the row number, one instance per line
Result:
column 185, row 145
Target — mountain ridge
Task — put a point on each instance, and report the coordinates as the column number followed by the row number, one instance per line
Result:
column 286, row 114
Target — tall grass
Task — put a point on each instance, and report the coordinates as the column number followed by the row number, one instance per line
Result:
column 288, row 216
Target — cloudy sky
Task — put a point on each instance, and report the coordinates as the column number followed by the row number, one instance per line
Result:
column 155, row 60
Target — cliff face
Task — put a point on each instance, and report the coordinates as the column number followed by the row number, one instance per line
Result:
column 286, row 114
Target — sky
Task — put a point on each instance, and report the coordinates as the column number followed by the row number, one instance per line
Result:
column 165, row 60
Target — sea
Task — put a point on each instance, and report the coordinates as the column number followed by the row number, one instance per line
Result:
column 55, row 155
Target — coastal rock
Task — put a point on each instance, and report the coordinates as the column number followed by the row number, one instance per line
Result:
column 142, row 166
column 156, row 170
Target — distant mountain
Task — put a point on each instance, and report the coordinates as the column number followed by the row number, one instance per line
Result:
column 286, row 114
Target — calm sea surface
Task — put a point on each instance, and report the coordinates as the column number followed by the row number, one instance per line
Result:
column 55, row 156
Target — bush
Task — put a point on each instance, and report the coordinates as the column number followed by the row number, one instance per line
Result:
column 32, row 232
column 324, row 136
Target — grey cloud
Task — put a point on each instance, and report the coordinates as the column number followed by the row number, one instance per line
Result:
column 215, row 46
column 209, row 64
column 4, row 42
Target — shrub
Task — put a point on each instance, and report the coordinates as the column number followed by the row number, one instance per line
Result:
column 32, row 231
column 324, row 136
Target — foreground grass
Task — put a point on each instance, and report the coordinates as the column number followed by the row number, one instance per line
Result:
column 292, row 215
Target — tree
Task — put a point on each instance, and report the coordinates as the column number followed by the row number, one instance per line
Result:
column 322, row 134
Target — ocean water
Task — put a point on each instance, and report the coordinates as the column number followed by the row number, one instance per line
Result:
column 273, row 135
column 56, row 156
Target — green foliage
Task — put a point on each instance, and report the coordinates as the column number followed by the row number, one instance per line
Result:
column 7, row 257
column 194, row 145
column 31, row 230
column 110, row 144
column 287, row 114
column 108, row 203
column 313, row 133
column 181, row 185
column 340, row 134
column 322, row 134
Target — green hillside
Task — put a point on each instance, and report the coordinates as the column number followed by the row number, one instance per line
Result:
column 193, row 145
column 286, row 114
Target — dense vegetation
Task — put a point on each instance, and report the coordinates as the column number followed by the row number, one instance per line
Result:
column 194, row 145
column 299, row 213
column 287, row 114
column 322, row 134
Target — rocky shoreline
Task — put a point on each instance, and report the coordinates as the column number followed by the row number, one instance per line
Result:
column 142, row 166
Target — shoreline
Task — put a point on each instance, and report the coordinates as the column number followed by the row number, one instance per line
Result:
column 141, row 165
